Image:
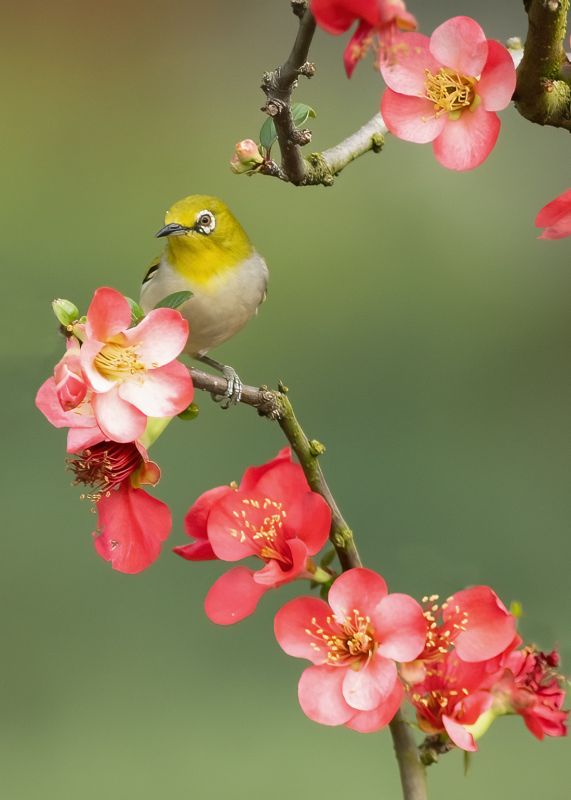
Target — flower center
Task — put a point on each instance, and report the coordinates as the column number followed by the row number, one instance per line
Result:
column 264, row 531
column 440, row 635
column 449, row 91
column 349, row 639
column 105, row 466
column 117, row 363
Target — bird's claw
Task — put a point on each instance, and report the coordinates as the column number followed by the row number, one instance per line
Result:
column 233, row 393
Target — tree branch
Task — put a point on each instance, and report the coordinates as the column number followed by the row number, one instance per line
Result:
column 543, row 92
column 412, row 771
column 278, row 86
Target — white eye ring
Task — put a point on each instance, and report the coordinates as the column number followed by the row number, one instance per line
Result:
column 205, row 221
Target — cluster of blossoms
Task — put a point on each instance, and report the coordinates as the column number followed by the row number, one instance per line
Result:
column 115, row 386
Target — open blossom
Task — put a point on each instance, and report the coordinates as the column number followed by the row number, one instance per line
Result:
column 473, row 621
column 353, row 642
column 531, row 687
column 446, row 90
column 452, row 697
column 131, row 523
column 555, row 217
column 380, row 25
column 274, row 516
column 133, row 372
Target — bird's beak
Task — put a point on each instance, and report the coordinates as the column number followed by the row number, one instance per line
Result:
column 174, row 229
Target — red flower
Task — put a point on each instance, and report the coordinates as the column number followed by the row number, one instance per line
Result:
column 473, row 621
column 133, row 372
column 555, row 217
column 453, row 695
column 353, row 642
column 131, row 523
column 531, row 688
column 380, row 22
column 446, row 90
column 274, row 516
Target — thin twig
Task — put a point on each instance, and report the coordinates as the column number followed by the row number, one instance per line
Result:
column 412, row 771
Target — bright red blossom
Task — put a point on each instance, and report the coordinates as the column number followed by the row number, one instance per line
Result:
column 531, row 687
column 131, row 523
column 555, row 217
column 273, row 515
column 380, row 25
column 353, row 642
column 446, row 90
column 133, row 372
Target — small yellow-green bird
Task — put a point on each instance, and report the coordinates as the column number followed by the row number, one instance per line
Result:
column 208, row 253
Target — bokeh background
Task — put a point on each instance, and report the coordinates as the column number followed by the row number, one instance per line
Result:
column 423, row 331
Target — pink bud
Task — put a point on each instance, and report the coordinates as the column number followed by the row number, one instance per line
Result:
column 248, row 152
column 71, row 387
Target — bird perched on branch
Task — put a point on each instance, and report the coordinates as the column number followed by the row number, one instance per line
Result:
column 208, row 253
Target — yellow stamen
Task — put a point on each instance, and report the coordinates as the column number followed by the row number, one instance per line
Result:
column 449, row 91
column 117, row 363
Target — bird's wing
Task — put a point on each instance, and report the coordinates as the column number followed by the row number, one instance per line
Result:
column 152, row 270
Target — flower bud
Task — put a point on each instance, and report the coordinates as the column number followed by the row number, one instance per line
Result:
column 71, row 387
column 66, row 312
column 246, row 157
column 237, row 167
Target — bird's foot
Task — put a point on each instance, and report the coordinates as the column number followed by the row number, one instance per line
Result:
column 233, row 393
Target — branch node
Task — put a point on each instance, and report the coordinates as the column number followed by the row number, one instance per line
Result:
column 308, row 69
column 316, row 448
column 282, row 388
column 299, row 7
column 301, row 137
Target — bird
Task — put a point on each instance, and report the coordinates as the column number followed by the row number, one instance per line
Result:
column 208, row 253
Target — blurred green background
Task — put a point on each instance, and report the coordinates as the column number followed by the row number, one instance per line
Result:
column 423, row 331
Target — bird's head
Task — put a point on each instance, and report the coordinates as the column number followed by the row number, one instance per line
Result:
column 204, row 237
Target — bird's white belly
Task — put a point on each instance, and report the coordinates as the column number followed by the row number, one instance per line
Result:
column 217, row 311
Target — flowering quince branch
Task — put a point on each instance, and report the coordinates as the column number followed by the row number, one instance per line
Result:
column 543, row 93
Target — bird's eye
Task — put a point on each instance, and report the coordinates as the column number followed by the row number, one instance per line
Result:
column 205, row 219
column 205, row 222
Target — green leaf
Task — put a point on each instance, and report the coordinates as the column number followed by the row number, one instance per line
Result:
column 174, row 300
column 301, row 113
column 268, row 134
column 137, row 313
column 189, row 413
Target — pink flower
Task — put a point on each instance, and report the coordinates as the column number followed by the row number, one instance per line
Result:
column 353, row 642
column 446, row 90
column 531, row 687
column 473, row 621
column 555, row 217
column 131, row 523
column 83, row 428
column 380, row 22
column 132, row 371
column 273, row 515
column 452, row 696
column 71, row 386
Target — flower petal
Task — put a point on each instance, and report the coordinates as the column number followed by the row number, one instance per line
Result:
column 197, row 515
column 109, row 313
column 459, row 734
column 162, row 392
column 197, row 551
column 490, row 628
column 89, row 350
column 119, row 420
column 556, row 217
column 368, row 687
column 460, row 43
column 309, row 519
column 233, row 597
column 253, row 475
column 229, row 525
column 284, row 482
column 296, row 625
column 79, row 439
column 357, row 588
column 405, row 71
column 321, row 698
column 159, row 338
column 377, row 718
column 356, row 47
column 400, row 627
column 466, row 142
column 411, row 118
column 335, row 17
column 276, row 573
column 497, row 83
column 131, row 527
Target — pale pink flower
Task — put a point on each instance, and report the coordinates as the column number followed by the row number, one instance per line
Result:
column 446, row 90
column 71, row 386
column 132, row 371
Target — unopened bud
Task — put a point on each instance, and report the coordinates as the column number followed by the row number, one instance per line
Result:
column 237, row 167
column 246, row 157
column 66, row 312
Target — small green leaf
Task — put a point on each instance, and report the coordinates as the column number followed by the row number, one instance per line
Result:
column 301, row 113
column 268, row 134
column 189, row 413
column 137, row 313
column 174, row 300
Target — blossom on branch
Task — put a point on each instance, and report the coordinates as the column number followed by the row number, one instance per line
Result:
column 353, row 641
column 446, row 90
column 555, row 217
column 272, row 515
column 133, row 372
column 381, row 23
